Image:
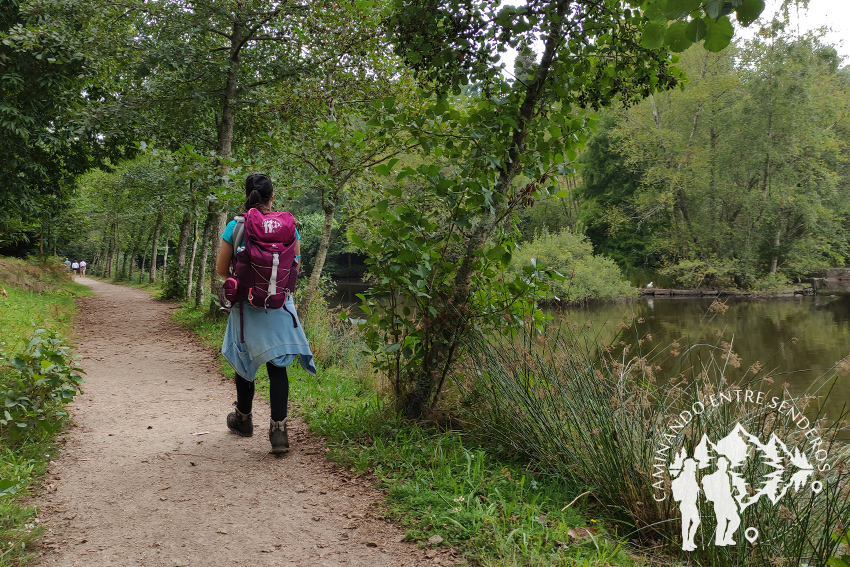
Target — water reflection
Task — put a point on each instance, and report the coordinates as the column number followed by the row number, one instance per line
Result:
column 796, row 340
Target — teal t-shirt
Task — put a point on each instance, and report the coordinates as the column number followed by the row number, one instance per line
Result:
column 227, row 235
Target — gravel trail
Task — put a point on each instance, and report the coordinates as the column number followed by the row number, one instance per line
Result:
column 149, row 474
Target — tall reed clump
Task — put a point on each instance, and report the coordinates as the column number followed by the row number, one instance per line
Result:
column 610, row 424
column 333, row 340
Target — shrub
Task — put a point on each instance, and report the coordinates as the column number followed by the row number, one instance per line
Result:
column 587, row 276
column 36, row 385
column 566, row 403
column 713, row 273
column 334, row 340
column 771, row 283
column 175, row 283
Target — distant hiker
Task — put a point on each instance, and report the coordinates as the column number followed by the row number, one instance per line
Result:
column 83, row 268
column 67, row 263
column 75, row 266
column 262, row 335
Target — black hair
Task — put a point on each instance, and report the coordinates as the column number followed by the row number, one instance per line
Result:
column 258, row 190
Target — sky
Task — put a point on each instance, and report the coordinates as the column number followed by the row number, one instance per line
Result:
column 831, row 13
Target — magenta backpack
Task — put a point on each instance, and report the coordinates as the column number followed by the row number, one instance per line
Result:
column 264, row 260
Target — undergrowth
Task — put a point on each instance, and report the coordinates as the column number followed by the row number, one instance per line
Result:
column 600, row 416
column 37, row 377
column 441, row 486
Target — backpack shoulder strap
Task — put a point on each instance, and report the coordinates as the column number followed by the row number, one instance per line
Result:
column 238, row 232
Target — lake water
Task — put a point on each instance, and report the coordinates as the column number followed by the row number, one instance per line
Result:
column 797, row 340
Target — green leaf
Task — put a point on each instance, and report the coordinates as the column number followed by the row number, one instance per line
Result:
column 653, row 33
column 495, row 253
column 404, row 173
column 654, row 9
column 714, row 8
column 696, row 30
column 676, row 37
column 749, row 11
column 719, row 35
column 385, row 168
column 676, row 9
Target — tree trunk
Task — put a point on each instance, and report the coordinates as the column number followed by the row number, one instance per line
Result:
column 212, row 218
column 219, row 222
column 165, row 254
column 449, row 325
column 144, row 257
column 190, row 270
column 109, row 253
column 157, row 229
column 127, row 257
column 183, row 242
column 225, row 150
column 95, row 263
column 777, row 240
column 117, row 251
column 319, row 262
column 135, row 253
column 101, row 254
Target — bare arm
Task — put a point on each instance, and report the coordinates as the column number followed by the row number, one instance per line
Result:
column 225, row 253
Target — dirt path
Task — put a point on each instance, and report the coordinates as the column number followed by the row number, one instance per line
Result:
column 149, row 475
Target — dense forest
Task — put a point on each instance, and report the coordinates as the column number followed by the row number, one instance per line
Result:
column 145, row 121
column 628, row 141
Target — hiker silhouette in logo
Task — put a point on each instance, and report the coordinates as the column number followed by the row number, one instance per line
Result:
column 259, row 258
column 685, row 490
column 718, row 490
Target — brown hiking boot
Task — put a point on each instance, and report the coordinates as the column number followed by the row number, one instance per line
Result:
column 240, row 423
column 278, row 436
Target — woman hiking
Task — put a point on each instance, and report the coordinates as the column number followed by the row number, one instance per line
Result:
column 257, row 336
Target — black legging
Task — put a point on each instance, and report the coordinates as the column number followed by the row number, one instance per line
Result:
column 278, row 392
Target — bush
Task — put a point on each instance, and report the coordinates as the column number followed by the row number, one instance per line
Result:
column 714, row 273
column 771, row 283
column 587, row 276
column 34, row 388
column 564, row 402
column 175, row 284
column 334, row 340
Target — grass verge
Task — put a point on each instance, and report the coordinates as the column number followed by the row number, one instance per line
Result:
column 38, row 295
column 443, row 488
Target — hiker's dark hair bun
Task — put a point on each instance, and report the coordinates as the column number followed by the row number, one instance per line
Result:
column 258, row 190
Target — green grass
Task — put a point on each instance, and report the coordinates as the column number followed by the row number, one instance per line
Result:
column 492, row 510
column 23, row 465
